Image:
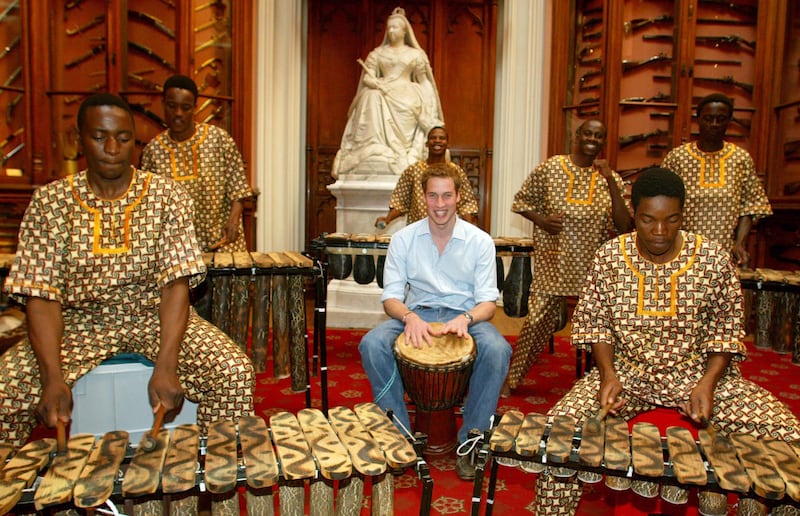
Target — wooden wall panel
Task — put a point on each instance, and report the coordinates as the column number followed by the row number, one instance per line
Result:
column 459, row 38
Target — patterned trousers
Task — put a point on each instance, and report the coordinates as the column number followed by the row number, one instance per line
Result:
column 543, row 312
column 212, row 369
column 751, row 410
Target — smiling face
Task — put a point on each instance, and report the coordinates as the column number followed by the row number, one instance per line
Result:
column 591, row 138
column 179, row 113
column 107, row 141
column 437, row 142
column 658, row 222
column 441, row 199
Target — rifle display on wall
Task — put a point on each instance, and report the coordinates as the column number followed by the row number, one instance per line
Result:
column 733, row 40
column 625, row 141
column 638, row 24
column 632, row 65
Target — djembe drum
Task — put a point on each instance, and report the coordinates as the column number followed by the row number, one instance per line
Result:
column 436, row 378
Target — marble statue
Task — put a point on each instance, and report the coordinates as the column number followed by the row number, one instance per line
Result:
column 396, row 104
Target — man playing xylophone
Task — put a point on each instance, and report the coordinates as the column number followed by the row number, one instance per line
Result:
column 661, row 310
column 105, row 261
column 440, row 268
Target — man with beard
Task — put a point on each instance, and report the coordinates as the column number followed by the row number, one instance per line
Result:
column 723, row 194
column 575, row 202
column 408, row 196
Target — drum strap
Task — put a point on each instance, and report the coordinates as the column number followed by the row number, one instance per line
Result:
column 387, row 386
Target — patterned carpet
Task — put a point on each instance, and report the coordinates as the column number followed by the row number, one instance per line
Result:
column 548, row 380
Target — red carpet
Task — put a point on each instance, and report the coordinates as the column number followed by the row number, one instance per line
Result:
column 547, row 381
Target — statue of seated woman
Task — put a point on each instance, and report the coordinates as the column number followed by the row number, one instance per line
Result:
column 394, row 108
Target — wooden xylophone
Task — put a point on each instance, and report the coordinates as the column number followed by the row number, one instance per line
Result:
column 769, row 468
column 333, row 454
column 245, row 288
column 363, row 255
column 774, row 297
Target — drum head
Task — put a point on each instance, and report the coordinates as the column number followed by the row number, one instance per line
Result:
column 444, row 350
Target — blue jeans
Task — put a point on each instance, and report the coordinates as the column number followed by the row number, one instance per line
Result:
column 488, row 372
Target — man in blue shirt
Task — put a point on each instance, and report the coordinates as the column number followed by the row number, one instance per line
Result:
column 440, row 268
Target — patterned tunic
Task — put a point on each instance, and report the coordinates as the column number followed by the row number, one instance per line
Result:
column 210, row 167
column 408, row 195
column 558, row 185
column 662, row 320
column 721, row 186
column 105, row 262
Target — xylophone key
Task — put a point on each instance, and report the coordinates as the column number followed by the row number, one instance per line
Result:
column 648, row 456
column 729, row 473
column 144, row 472
column 617, row 452
column 178, row 474
column 529, row 440
column 687, row 462
column 57, row 484
column 502, row 439
column 591, row 451
column 261, row 467
column 559, row 444
column 329, row 453
column 367, row 457
column 787, row 464
column 21, row 470
column 221, row 466
column 97, row 479
column 398, row 451
column 766, row 481
column 261, row 306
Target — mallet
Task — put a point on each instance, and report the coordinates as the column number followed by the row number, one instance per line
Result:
column 149, row 442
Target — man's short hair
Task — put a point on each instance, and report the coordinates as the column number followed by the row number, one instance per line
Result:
column 434, row 128
column 182, row 82
column 443, row 169
column 101, row 99
column 714, row 97
column 655, row 181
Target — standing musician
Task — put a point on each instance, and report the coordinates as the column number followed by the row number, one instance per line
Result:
column 723, row 194
column 204, row 159
column 440, row 268
column 574, row 201
column 105, row 260
column 408, row 196
column 661, row 311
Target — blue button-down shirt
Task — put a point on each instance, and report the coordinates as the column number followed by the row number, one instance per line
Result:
column 460, row 278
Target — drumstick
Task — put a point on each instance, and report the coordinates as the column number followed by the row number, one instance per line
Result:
column 61, row 437
column 593, row 423
column 149, row 442
column 217, row 245
column 718, row 443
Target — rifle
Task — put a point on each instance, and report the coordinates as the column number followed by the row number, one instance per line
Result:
column 94, row 22
column 142, row 108
column 149, row 53
column 625, row 141
column 658, row 97
column 13, row 152
column 588, row 75
column 151, row 20
column 588, row 49
column 213, row 42
column 212, row 63
column 88, row 55
column 639, row 23
column 219, row 4
column 591, row 22
column 589, row 62
column 630, row 65
column 732, row 40
column 722, row 80
column 144, row 83
column 791, row 147
column 12, row 105
column 11, row 136
column 13, row 5
column 13, row 76
column 219, row 23
column 11, row 46
column 718, row 62
column 743, row 122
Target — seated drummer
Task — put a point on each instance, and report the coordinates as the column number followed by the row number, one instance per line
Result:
column 104, row 264
column 661, row 311
column 440, row 268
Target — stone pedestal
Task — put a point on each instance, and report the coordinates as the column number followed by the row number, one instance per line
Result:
column 360, row 199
